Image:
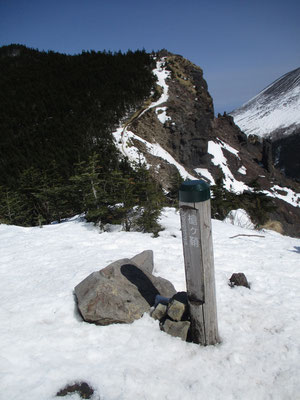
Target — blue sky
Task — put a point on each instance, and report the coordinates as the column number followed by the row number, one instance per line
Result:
column 242, row 46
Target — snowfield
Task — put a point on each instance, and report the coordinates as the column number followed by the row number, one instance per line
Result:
column 276, row 108
column 45, row 344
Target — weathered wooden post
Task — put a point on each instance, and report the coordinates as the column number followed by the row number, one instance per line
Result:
column 195, row 215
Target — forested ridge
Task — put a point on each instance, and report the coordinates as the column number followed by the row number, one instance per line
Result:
column 57, row 152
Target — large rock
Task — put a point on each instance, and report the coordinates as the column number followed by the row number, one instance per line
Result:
column 122, row 292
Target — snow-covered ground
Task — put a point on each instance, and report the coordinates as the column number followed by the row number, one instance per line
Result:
column 45, row 345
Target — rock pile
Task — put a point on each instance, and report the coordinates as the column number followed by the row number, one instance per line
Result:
column 126, row 289
column 173, row 315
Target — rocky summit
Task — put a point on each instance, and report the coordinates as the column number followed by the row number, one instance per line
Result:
column 179, row 133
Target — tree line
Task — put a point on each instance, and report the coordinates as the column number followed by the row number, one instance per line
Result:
column 57, row 153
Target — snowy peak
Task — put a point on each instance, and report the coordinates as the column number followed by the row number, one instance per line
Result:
column 284, row 84
column 274, row 112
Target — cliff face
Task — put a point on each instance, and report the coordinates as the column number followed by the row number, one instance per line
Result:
column 189, row 123
column 180, row 132
column 257, row 160
column 286, row 154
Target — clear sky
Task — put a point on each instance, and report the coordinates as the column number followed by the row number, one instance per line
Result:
column 242, row 46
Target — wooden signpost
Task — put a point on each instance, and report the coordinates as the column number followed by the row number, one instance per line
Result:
column 195, row 215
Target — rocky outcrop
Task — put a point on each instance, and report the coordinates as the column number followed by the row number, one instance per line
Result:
column 122, row 292
column 190, row 109
column 258, row 157
column 183, row 137
column 286, row 157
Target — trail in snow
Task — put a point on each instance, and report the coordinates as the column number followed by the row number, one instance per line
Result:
column 124, row 136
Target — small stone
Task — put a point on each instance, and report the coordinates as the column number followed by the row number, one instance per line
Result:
column 176, row 309
column 239, row 279
column 177, row 328
column 159, row 312
column 81, row 388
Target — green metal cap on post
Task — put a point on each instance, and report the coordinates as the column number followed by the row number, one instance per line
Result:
column 194, row 191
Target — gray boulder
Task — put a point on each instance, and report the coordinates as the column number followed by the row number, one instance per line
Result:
column 122, row 292
column 144, row 260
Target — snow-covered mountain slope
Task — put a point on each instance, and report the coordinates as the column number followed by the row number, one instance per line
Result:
column 45, row 345
column 274, row 111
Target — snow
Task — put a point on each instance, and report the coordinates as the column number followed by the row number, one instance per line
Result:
column 123, row 136
column 162, row 75
column 216, row 150
column 230, row 149
column 242, row 170
column 156, row 150
column 204, row 173
column 123, row 139
column 290, row 196
column 45, row 345
column 240, row 218
column 161, row 113
column 266, row 113
column 232, row 184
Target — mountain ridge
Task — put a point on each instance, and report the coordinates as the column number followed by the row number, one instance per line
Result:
column 222, row 149
column 273, row 112
column 169, row 125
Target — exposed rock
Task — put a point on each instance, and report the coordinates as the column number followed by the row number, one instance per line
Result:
column 286, row 152
column 176, row 310
column 144, row 260
column 122, row 292
column 81, row 388
column 255, row 157
column 159, row 312
column 189, row 128
column 190, row 108
column 267, row 155
column 176, row 328
column 173, row 315
column 239, row 279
